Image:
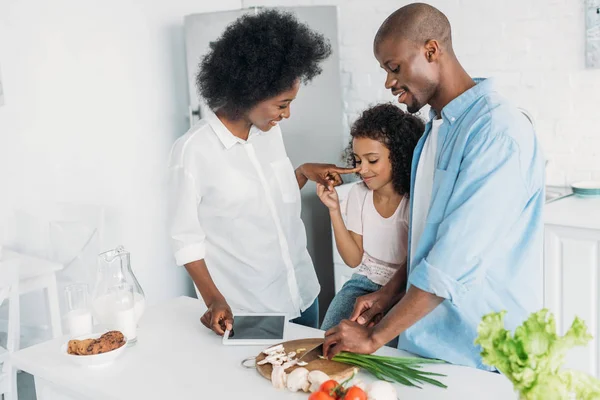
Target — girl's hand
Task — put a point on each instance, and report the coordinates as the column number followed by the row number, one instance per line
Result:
column 328, row 197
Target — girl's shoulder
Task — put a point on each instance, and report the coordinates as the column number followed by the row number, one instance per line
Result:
column 404, row 209
column 355, row 199
column 359, row 192
column 359, row 189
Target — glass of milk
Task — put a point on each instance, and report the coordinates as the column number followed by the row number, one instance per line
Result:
column 122, row 304
column 79, row 315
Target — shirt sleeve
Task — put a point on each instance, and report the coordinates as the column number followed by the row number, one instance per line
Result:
column 187, row 235
column 487, row 199
column 354, row 208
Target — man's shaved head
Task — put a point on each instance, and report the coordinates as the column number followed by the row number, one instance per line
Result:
column 414, row 47
column 419, row 23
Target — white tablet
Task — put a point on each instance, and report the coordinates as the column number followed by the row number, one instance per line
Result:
column 256, row 329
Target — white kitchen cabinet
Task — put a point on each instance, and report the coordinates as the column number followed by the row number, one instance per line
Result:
column 571, row 272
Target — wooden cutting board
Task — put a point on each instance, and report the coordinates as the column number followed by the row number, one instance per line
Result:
column 335, row 370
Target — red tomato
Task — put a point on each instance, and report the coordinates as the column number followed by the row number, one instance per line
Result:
column 355, row 393
column 320, row 396
column 328, row 386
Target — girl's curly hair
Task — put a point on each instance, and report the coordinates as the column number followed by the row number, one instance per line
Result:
column 258, row 57
column 397, row 130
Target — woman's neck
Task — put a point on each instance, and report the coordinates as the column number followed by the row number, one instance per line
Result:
column 238, row 127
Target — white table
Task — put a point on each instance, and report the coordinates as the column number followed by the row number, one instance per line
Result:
column 177, row 358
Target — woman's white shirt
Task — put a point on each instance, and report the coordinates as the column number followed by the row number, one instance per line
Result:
column 236, row 204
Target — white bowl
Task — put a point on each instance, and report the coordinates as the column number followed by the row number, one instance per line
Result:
column 95, row 360
column 586, row 188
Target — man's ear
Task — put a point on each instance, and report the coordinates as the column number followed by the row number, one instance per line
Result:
column 432, row 50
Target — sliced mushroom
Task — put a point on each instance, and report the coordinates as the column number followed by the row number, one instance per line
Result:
column 298, row 380
column 316, row 378
column 278, row 377
column 274, row 349
column 289, row 364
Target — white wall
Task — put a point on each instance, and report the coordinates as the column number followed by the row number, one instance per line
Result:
column 95, row 94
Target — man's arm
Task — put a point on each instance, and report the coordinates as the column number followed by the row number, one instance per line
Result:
column 415, row 305
column 370, row 308
column 353, row 337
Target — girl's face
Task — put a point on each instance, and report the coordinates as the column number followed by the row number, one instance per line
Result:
column 373, row 158
column 268, row 113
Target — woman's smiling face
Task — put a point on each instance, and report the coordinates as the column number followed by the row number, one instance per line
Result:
column 268, row 113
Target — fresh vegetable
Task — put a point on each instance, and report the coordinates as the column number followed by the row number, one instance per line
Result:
column 328, row 386
column 532, row 358
column 282, row 361
column 335, row 389
column 355, row 393
column 381, row 390
column 298, row 380
column 320, row 396
column 278, row 377
column 403, row 370
column 316, row 378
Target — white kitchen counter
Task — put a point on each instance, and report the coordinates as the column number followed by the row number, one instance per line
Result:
column 177, row 358
column 574, row 211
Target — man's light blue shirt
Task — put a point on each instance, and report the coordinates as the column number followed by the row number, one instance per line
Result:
column 481, row 248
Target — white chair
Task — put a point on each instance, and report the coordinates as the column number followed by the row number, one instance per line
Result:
column 49, row 248
column 9, row 290
column 39, row 274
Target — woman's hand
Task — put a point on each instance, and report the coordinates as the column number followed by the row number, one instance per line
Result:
column 218, row 317
column 328, row 175
column 328, row 197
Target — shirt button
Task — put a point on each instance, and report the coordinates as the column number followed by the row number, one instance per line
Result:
column 452, row 119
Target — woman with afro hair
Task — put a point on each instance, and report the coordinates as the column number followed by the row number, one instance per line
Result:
column 374, row 239
column 235, row 214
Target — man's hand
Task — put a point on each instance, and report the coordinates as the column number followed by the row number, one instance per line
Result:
column 349, row 336
column 328, row 175
column 370, row 308
column 218, row 317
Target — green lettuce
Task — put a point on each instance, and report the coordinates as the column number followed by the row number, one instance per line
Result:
column 532, row 358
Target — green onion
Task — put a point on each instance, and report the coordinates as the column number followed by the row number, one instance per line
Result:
column 403, row 370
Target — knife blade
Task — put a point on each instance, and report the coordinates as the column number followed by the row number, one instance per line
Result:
column 318, row 350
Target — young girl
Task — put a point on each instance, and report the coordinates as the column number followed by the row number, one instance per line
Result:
column 375, row 238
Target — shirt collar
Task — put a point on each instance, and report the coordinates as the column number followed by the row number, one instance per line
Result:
column 227, row 138
column 453, row 110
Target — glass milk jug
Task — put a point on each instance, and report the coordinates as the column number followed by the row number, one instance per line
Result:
column 118, row 300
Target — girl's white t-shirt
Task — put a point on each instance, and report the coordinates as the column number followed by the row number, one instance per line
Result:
column 385, row 240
